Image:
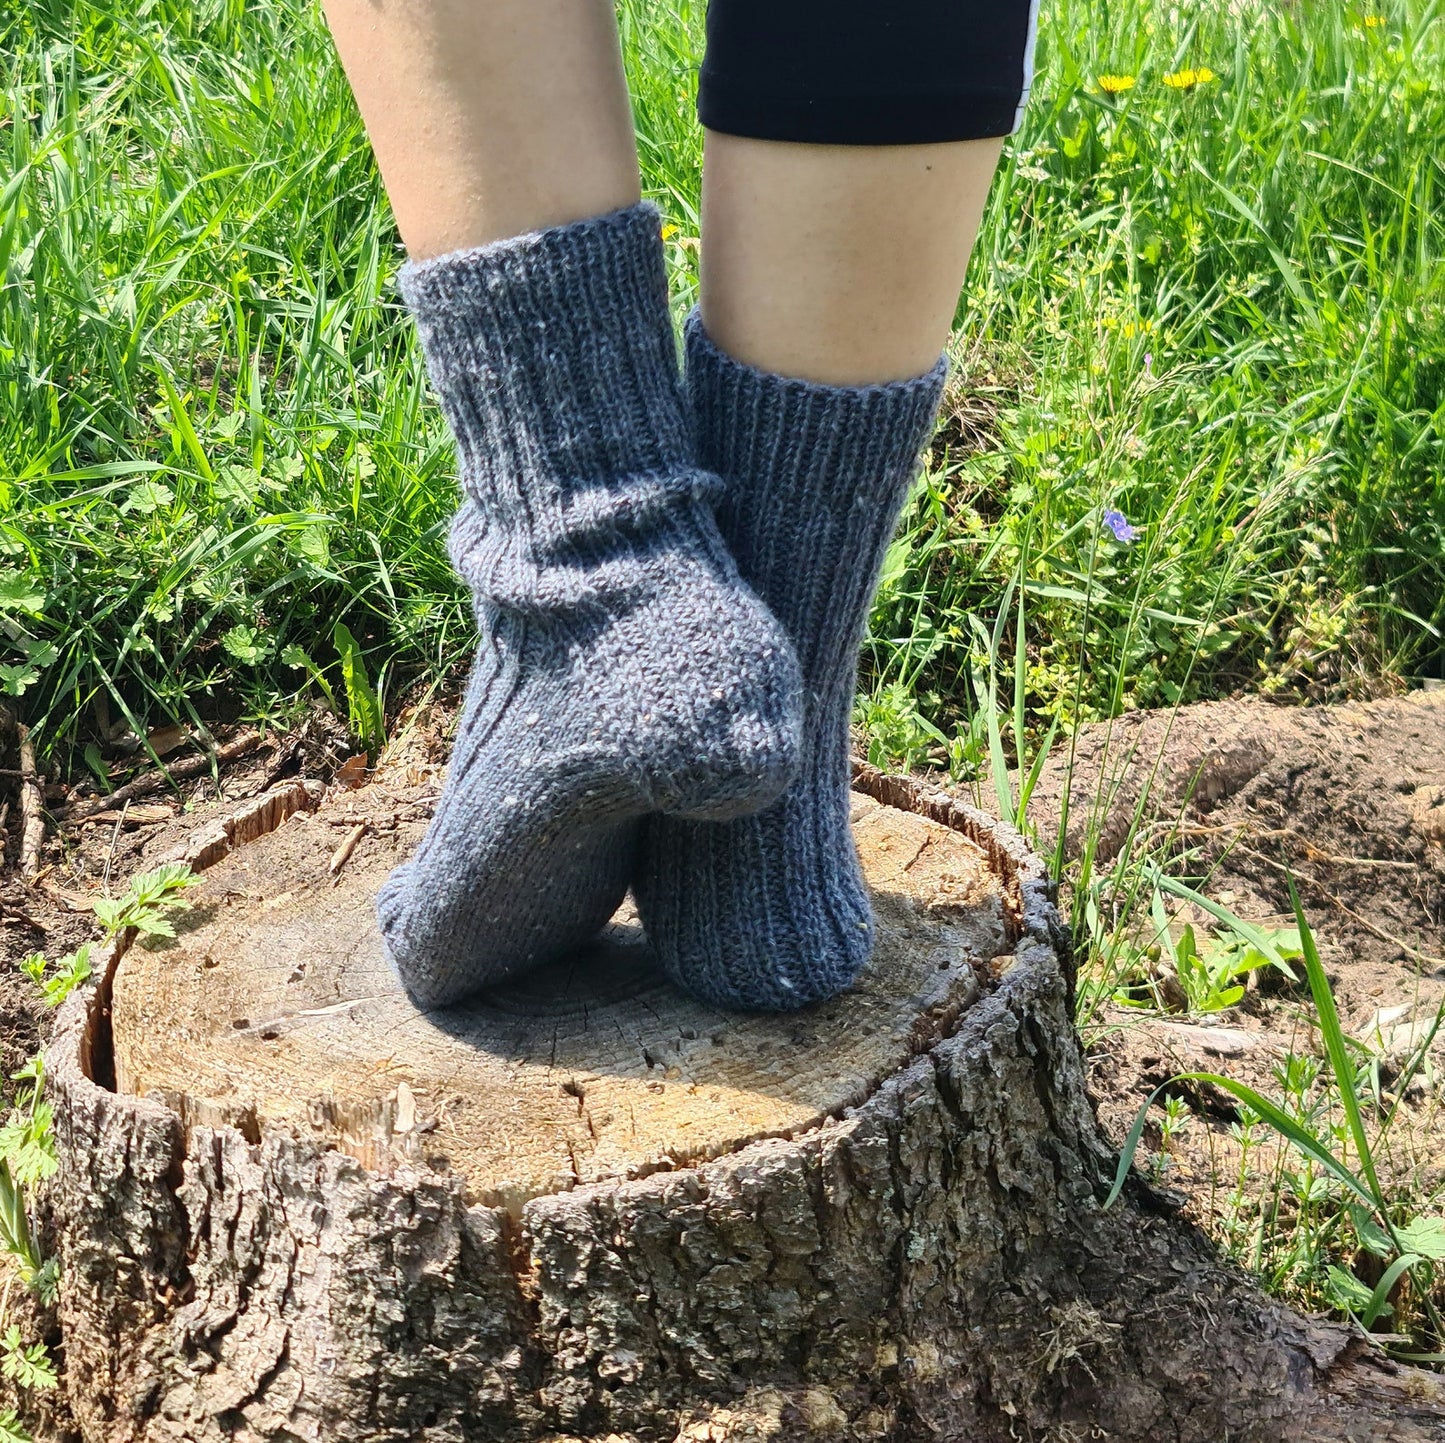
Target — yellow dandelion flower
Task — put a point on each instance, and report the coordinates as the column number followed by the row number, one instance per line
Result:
column 1115, row 84
column 668, row 231
column 1373, row 22
column 1188, row 78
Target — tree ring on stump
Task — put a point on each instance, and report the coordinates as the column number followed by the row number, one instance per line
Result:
column 275, row 1007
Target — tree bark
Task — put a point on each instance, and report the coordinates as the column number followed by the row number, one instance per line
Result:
column 879, row 1220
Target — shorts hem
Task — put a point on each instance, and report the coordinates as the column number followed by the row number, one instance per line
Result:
column 734, row 109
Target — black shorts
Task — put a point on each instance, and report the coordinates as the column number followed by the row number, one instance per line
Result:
column 867, row 72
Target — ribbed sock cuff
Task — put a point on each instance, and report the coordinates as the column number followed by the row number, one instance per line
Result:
column 753, row 423
column 552, row 355
column 814, row 479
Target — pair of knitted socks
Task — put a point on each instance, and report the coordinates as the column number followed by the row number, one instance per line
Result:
column 671, row 590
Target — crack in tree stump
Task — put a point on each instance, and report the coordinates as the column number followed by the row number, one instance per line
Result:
column 293, row 1207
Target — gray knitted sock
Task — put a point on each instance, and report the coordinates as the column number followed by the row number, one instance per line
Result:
column 770, row 912
column 624, row 668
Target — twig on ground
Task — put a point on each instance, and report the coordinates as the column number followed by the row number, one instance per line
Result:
column 110, row 851
column 342, row 854
column 1317, row 856
column 156, row 781
column 4, row 835
column 32, row 808
column 9, row 910
column 136, row 814
column 1314, row 854
column 71, row 901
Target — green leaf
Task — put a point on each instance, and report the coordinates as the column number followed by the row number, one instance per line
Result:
column 313, row 545
column 176, row 409
column 1424, row 1235
column 1378, row 1305
column 147, row 497
column 246, row 645
column 895, row 564
column 152, row 923
column 1371, row 1235
column 15, row 1234
column 1348, row 1291
column 29, row 1367
column 109, row 912
column 367, row 721
column 10, row 1428
column 237, row 485
column 160, row 882
column 288, row 469
column 20, row 593
column 44, row 1281
column 296, row 656
column 96, row 762
column 27, row 1145
column 15, row 679
column 1245, row 929
column 1335, row 1048
column 1131, row 1146
column 70, row 972
column 146, row 901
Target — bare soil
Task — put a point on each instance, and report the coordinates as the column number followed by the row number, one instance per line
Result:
column 1350, row 801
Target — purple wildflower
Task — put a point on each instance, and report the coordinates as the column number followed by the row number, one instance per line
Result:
column 1118, row 523
column 1149, row 364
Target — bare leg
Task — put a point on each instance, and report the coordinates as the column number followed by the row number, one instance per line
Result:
column 839, row 264
column 490, row 118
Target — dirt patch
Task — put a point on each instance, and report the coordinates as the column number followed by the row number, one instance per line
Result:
column 1350, row 801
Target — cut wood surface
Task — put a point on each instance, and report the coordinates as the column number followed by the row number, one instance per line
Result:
column 276, row 1006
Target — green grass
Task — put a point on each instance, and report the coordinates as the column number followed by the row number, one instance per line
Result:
column 1335, row 1123
column 1220, row 310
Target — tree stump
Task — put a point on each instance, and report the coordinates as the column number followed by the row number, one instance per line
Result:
column 291, row 1206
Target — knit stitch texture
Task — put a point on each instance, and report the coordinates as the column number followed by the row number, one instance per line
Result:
column 624, row 667
column 770, row 912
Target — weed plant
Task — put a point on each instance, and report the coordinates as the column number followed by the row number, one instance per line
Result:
column 1335, row 1206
